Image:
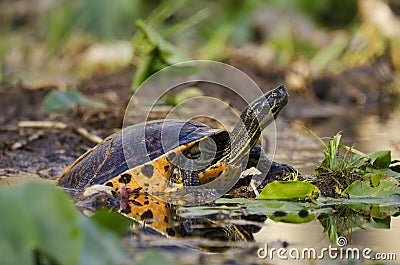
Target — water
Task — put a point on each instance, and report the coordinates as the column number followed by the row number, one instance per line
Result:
column 311, row 235
column 368, row 132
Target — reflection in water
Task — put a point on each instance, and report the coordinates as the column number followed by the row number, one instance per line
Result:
column 215, row 231
column 329, row 220
column 163, row 219
column 311, row 235
column 236, row 223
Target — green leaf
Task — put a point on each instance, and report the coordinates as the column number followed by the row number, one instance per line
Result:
column 328, row 54
column 18, row 235
column 358, row 161
column 380, row 159
column 376, row 179
column 299, row 218
column 157, row 53
column 380, row 223
column 378, row 211
column 112, row 221
column 289, row 190
column 391, row 200
column 384, row 171
column 329, row 223
column 169, row 53
column 60, row 220
column 331, row 160
column 143, row 71
column 374, row 210
column 279, row 211
column 183, row 95
column 101, row 246
column 38, row 217
column 386, row 187
column 59, row 100
column 296, row 213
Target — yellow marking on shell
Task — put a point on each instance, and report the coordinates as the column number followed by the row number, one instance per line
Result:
column 160, row 165
column 212, row 173
column 152, row 176
column 141, row 204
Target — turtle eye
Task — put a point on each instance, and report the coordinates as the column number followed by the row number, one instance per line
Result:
column 259, row 107
column 274, row 96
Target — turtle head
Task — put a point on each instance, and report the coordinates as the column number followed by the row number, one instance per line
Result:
column 256, row 117
column 266, row 108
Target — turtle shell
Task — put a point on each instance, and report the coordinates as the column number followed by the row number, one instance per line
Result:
column 121, row 156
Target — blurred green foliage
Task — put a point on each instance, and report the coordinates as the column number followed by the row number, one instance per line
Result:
column 172, row 31
column 102, row 19
column 210, row 24
column 229, row 22
column 207, row 25
column 40, row 225
column 330, row 13
column 59, row 100
column 183, row 95
column 155, row 52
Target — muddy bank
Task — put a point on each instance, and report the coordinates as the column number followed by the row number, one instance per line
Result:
column 45, row 152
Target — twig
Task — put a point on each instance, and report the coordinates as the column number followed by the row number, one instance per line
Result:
column 90, row 136
column 43, row 125
column 58, row 126
column 31, row 138
column 254, row 187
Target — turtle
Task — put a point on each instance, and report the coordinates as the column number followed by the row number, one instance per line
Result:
column 154, row 156
column 116, row 160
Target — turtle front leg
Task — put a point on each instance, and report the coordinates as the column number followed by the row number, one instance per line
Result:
column 190, row 178
column 185, row 176
column 269, row 169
